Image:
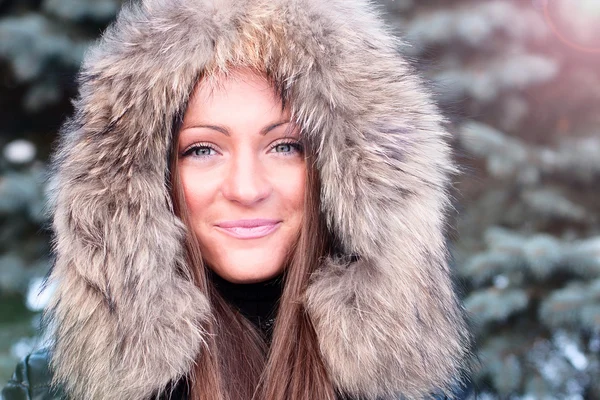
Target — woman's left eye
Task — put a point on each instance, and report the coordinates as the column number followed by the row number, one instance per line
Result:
column 288, row 147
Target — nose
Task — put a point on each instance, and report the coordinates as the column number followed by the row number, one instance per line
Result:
column 246, row 182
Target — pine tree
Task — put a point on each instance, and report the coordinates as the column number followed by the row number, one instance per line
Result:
column 520, row 83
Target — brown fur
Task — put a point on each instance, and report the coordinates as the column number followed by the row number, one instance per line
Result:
column 126, row 319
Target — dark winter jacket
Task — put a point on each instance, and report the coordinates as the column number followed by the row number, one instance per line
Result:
column 32, row 381
column 124, row 319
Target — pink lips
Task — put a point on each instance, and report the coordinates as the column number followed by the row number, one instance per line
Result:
column 248, row 228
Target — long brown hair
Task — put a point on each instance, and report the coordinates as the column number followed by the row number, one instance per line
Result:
column 237, row 363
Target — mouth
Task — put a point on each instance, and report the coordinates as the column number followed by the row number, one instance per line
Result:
column 248, row 228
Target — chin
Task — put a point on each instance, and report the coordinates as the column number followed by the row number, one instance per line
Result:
column 240, row 270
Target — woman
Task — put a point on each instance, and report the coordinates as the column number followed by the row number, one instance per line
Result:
column 250, row 200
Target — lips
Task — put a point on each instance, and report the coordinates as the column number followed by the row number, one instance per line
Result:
column 248, row 228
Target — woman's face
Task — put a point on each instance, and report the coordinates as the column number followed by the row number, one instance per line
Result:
column 243, row 174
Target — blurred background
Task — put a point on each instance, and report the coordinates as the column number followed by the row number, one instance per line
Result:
column 519, row 81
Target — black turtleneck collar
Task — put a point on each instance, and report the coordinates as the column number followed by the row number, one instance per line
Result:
column 256, row 301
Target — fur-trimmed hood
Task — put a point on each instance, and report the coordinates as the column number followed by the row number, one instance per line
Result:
column 125, row 320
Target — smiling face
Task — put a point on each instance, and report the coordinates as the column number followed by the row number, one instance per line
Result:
column 243, row 175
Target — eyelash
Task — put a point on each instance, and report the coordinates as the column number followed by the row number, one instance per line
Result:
column 188, row 152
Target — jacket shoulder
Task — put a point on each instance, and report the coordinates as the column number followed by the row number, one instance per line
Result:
column 32, row 380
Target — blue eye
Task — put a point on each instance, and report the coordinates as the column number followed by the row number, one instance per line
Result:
column 288, row 147
column 199, row 151
column 283, row 147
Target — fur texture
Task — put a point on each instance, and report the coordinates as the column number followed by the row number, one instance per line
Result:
column 124, row 315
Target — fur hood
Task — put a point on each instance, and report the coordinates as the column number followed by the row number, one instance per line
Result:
column 125, row 321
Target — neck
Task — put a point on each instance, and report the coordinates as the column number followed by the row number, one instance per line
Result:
column 256, row 301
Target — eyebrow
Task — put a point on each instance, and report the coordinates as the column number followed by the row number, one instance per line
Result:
column 225, row 131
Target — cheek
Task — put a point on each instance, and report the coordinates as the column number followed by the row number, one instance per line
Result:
column 291, row 186
column 298, row 191
column 199, row 190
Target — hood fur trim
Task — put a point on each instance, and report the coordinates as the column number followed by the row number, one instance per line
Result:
column 126, row 319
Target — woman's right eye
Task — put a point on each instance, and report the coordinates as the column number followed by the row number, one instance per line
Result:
column 199, row 151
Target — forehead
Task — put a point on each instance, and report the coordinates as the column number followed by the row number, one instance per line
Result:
column 238, row 88
column 240, row 101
